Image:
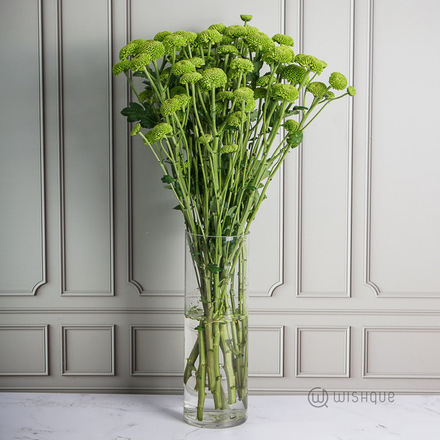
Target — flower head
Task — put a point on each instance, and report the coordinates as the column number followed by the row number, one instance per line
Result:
column 173, row 42
column 136, row 129
column 158, row 132
column 235, row 31
column 280, row 54
column 243, row 93
column 242, row 65
column 220, row 27
column 121, row 66
column 190, row 78
column 189, row 37
column 317, row 89
column 291, row 125
column 246, row 17
column 259, row 41
column 294, row 74
column 338, row 81
column 183, row 66
column 213, row 78
column 235, row 119
column 351, row 90
column 197, row 61
column 231, row 148
column 170, row 106
column 130, row 49
column 205, row 139
column 311, row 62
column 145, row 94
column 264, row 80
column 260, row 92
column 140, row 61
column 224, row 95
column 287, row 40
column 209, row 36
column 153, row 48
column 227, row 49
column 284, row 92
column 161, row 35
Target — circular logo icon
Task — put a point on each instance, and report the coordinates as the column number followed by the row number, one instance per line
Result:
column 318, row 397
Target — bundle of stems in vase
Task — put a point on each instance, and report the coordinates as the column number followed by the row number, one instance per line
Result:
column 220, row 110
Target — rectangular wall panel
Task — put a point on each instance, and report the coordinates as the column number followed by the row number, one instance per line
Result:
column 325, row 158
column 22, row 195
column 88, row 350
column 86, row 147
column 401, row 352
column 24, row 350
column 323, row 351
column 403, row 182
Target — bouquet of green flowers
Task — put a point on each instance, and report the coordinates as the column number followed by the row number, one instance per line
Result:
column 214, row 109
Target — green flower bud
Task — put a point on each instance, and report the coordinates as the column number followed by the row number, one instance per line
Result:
column 280, row 54
column 209, row 36
column 121, row 66
column 205, row 139
column 329, row 94
column 317, row 89
column 226, row 39
column 263, row 81
column 170, row 106
column 259, row 41
column 284, row 92
column 220, row 27
column 235, row 119
column 235, row 31
column 291, row 125
column 311, row 62
column 287, row 40
column 224, row 95
column 183, row 99
column 189, row 37
column 140, row 61
column 136, row 129
column 158, row 132
column 213, row 78
column 260, row 92
column 294, row 74
column 161, row 35
column 242, row 65
column 243, row 93
column 246, row 18
column 190, row 78
column 197, row 61
column 227, row 49
column 154, row 48
column 250, row 105
column 231, row 148
column 173, row 42
column 181, row 67
column 338, row 81
column 351, row 90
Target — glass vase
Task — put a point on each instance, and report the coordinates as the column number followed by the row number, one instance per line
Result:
column 216, row 331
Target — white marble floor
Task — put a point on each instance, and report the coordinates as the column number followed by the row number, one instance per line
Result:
column 25, row 416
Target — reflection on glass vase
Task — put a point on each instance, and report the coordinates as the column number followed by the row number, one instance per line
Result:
column 216, row 331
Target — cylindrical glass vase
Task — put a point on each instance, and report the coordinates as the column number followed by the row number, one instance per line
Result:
column 216, row 331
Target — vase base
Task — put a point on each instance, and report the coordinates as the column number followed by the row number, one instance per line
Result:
column 215, row 419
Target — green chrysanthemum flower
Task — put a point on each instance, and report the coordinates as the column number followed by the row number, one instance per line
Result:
column 231, row 148
column 280, row 54
column 243, row 94
column 183, row 99
column 226, row 39
column 161, row 35
column 250, row 105
column 170, row 106
column 173, row 42
column 227, row 49
column 209, row 36
column 140, row 61
column 317, row 89
column 145, row 94
column 121, row 66
column 136, row 129
column 190, row 78
column 197, row 61
column 351, row 90
column 294, row 74
column 224, row 95
column 153, row 48
column 252, row 29
column 310, row 62
column 213, row 78
column 219, row 27
column 235, row 119
column 158, row 132
column 329, row 94
column 181, row 67
column 260, row 92
column 189, row 37
column 205, row 139
column 130, row 49
column 264, row 80
column 177, row 90
column 218, row 107
column 259, row 41
column 287, row 40
column 242, row 65
column 284, row 92
column 235, row 31
column 338, row 81
column 165, row 74
column 291, row 125
column 246, row 17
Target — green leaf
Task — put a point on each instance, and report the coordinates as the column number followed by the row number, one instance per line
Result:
column 214, row 268
column 178, row 208
column 295, row 139
column 168, row 179
column 136, row 112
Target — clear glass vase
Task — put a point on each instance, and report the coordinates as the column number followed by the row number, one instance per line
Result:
column 216, row 331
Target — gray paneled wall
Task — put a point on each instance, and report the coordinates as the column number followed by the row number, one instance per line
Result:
column 345, row 286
